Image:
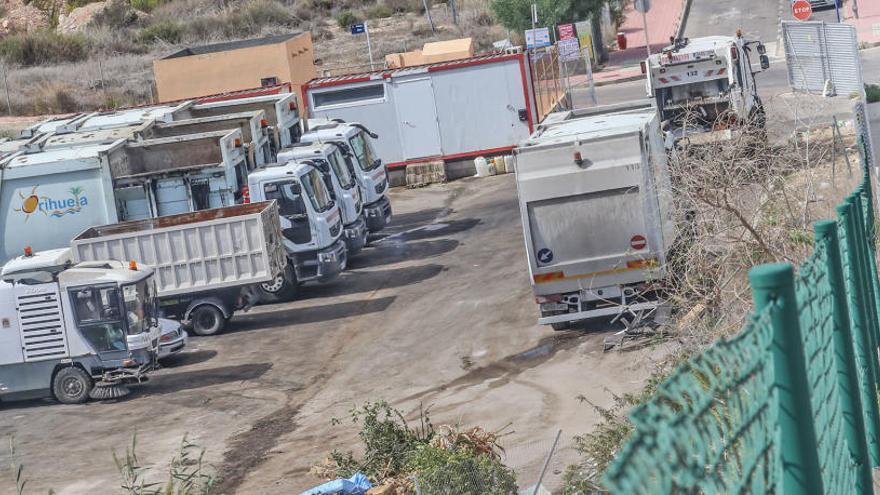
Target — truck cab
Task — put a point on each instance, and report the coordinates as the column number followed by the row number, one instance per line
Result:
column 66, row 328
column 369, row 172
column 336, row 167
column 705, row 85
column 311, row 225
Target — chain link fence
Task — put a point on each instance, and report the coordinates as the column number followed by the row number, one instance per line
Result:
column 788, row 405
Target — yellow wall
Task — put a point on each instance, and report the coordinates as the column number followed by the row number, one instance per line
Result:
column 233, row 70
column 431, row 53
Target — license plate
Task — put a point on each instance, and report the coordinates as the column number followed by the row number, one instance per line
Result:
column 554, row 307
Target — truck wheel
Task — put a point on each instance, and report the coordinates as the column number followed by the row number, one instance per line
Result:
column 282, row 288
column 562, row 325
column 207, row 320
column 72, row 385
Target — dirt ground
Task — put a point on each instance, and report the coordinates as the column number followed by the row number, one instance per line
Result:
column 438, row 313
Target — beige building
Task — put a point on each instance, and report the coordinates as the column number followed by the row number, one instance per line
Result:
column 431, row 53
column 236, row 65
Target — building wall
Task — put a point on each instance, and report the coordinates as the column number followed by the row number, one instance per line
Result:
column 211, row 73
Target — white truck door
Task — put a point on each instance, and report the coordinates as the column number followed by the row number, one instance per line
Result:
column 41, row 322
column 417, row 118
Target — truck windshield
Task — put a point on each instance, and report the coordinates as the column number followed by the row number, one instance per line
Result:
column 317, row 191
column 364, row 152
column 140, row 306
column 341, row 170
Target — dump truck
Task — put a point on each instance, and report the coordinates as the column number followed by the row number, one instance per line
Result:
column 705, row 85
column 208, row 264
column 311, row 226
column 57, row 192
column 74, row 331
column 254, row 127
column 369, row 172
column 594, row 198
column 337, row 168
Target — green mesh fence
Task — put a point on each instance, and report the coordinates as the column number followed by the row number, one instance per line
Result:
column 789, row 405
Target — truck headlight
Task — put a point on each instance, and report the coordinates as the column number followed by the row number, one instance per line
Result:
column 381, row 186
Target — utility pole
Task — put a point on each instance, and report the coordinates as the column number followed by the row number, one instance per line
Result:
column 428, row 14
column 369, row 44
column 454, row 12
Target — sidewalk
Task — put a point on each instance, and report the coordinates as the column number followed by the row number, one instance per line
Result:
column 663, row 21
column 868, row 23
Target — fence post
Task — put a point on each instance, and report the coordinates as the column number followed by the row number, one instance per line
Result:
column 844, row 357
column 862, row 335
column 773, row 284
column 867, row 277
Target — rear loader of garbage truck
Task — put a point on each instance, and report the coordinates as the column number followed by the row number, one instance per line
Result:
column 282, row 112
column 595, row 203
column 208, row 263
column 47, row 198
column 75, row 331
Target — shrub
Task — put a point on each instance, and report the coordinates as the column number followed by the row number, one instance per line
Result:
column 379, row 11
column 167, row 31
column 460, row 471
column 346, row 18
column 261, row 13
column 43, row 48
column 146, row 5
column 402, row 6
column 872, row 93
column 484, row 19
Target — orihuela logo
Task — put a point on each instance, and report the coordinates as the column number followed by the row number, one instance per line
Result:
column 52, row 207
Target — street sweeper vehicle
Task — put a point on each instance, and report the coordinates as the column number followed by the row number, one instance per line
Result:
column 595, row 202
column 75, row 331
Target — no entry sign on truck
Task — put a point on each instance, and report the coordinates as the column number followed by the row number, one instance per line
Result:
column 801, row 9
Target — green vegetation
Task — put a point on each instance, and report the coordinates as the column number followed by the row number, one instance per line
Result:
column 379, row 11
column 872, row 93
column 516, row 14
column 43, row 48
column 461, row 471
column 165, row 31
column 146, row 5
column 187, row 474
column 346, row 18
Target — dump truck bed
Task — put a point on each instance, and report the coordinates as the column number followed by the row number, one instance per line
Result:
column 195, row 252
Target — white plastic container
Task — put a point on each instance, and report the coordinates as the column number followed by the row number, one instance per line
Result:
column 482, row 166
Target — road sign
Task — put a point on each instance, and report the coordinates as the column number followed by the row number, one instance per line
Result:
column 566, row 31
column 638, row 242
column 545, row 256
column 585, row 36
column 801, row 9
column 358, row 28
column 569, row 49
column 538, row 38
column 642, row 6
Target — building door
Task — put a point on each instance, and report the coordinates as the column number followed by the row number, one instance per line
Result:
column 417, row 118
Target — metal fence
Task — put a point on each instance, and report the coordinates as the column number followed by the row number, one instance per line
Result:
column 789, row 405
column 818, row 53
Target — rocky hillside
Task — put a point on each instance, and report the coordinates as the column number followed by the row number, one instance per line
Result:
column 78, row 55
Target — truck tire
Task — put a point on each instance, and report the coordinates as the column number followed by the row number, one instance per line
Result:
column 207, row 320
column 72, row 385
column 561, row 326
column 283, row 288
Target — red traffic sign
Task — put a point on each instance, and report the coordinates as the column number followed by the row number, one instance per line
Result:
column 801, row 9
column 638, row 242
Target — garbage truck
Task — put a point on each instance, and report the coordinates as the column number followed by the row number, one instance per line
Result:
column 369, row 172
column 57, row 192
column 75, row 331
column 208, row 264
column 706, row 85
column 311, row 226
column 594, row 199
column 337, row 170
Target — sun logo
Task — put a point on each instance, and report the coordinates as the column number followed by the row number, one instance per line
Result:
column 30, row 203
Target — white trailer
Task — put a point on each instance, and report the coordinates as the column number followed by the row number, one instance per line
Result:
column 207, row 263
column 443, row 111
column 594, row 198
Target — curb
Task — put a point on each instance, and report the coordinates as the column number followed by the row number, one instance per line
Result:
column 621, row 80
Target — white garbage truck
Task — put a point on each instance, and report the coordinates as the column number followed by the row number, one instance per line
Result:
column 594, row 198
column 705, row 85
column 337, row 169
column 369, row 171
column 311, row 226
column 208, row 264
column 75, row 331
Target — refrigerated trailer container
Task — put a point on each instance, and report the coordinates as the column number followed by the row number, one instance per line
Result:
column 594, row 197
column 207, row 263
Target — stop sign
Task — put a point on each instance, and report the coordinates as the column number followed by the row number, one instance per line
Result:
column 801, row 9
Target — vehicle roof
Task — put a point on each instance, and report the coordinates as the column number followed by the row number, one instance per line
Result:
column 56, row 155
column 593, row 127
column 96, row 136
column 41, row 260
column 328, row 131
column 291, row 168
column 103, row 271
column 696, row 45
column 127, row 117
column 305, row 151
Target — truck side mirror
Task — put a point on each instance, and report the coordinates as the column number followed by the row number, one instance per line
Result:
column 765, row 62
column 762, row 49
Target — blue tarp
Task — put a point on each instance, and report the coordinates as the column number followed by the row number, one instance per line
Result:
column 357, row 485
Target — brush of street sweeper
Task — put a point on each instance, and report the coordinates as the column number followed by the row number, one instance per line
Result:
column 109, row 391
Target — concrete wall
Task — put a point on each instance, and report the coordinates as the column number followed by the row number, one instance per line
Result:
column 233, row 70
